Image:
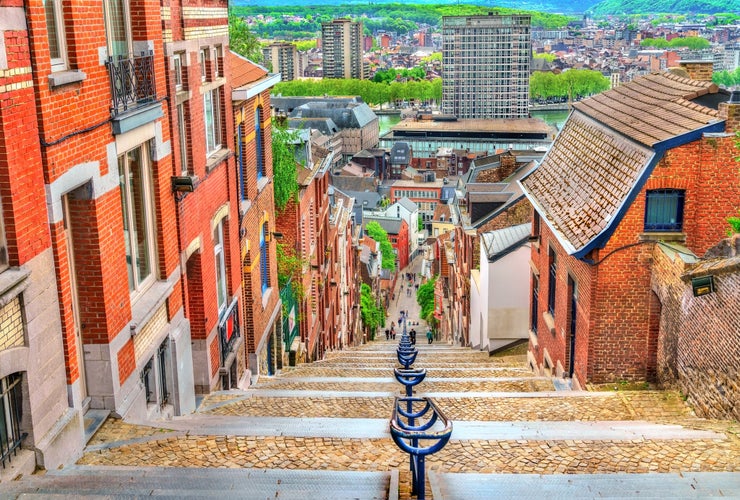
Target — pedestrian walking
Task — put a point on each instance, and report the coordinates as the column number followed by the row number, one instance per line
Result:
column 387, row 334
column 412, row 335
column 430, row 336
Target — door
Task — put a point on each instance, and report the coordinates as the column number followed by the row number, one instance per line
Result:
column 69, row 234
column 573, row 315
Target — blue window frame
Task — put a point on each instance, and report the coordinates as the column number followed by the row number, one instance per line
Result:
column 258, row 142
column 664, row 210
column 240, row 162
column 264, row 264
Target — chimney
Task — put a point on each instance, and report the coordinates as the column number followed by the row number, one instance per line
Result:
column 698, row 70
column 508, row 165
column 730, row 112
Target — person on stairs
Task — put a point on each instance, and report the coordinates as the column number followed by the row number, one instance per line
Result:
column 430, row 336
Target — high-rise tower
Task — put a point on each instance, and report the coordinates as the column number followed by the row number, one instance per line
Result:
column 284, row 60
column 341, row 40
column 485, row 66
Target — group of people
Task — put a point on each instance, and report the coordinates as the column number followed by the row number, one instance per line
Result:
column 390, row 333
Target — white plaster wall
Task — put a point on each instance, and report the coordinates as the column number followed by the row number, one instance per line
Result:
column 508, row 288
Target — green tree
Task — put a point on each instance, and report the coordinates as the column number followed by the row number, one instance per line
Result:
column 376, row 232
column 691, row 42
column 425, row 298
column 242, row 41
column 284, row 166
column 373, row 315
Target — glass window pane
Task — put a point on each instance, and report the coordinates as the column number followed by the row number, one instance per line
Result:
column 140, row 229
column 117, row 27
column 208, row 110
column 52, row 30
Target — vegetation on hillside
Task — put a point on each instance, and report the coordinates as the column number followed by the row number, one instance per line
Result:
column 651, row 7
column 400, row 18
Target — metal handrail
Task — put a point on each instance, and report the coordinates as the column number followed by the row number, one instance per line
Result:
column 131, row 81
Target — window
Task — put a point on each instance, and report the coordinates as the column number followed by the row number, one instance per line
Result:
column 664, row 210
column 117, row 28
column 551, row 261
column 11, row 413
column 55, row 30
column 264, row 255
column 218, row 250
column 182, row 131
column 177, row 62
column 535, row 301
column 3, row 244
column 138, row 223
column 212, row 108
column 258, row 142
column 217, row 57
column 203, row 57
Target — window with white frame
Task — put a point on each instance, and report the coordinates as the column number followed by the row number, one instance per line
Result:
column 118, row 28
column 217, row 57
column 264, row 259
column 138, row 217
column 218, row 251
column 182, row 130
column 178, row 59
column 203, row 59
column 55, row 30
column 212, row 109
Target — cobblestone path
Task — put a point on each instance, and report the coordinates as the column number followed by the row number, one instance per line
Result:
column 472, row 388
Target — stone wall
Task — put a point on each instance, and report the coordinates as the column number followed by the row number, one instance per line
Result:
column 699, row 344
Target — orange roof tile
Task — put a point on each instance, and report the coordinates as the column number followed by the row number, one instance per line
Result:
column 244, row 71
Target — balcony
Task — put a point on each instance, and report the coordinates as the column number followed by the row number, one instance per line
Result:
column 133, row 91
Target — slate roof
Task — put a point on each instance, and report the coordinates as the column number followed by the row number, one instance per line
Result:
column 607, row 150
column 391, row 225
column 502, row 241
column 408, row 204
column 401, row 153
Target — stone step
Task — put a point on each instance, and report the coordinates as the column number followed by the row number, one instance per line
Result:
column 451, row 486
column 170, row 482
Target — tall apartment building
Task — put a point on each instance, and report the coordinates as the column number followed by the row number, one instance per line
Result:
column 485, row 61
column 282, row 58
column 341, row 41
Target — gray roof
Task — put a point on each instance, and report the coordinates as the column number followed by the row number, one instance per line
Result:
column 371, row 197
column 407, row 204
column 389, row 224
column 502, row 241
column 401, row 153
column 325, row 125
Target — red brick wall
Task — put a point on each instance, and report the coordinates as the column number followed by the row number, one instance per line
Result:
column 617, row 307
column 699, row 343
column 126, row 361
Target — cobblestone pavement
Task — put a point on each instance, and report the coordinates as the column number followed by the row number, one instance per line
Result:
column 505, row 391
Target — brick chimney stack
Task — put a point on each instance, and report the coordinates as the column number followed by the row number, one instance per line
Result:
column 698, row 70
column 730, row 112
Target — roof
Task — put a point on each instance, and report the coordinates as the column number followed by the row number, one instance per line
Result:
column 502, row 241
column 371, row 197
column 408, row 204
column 606, row 151
column 653, row 108
column 244, row 71
column 509, row 125
column 401, row 153
column 391, row 225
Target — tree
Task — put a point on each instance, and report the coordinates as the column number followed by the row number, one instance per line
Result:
column 242, row 41
column 373, row 316
column 425, row 298
column 377, row 233
column 284, row 165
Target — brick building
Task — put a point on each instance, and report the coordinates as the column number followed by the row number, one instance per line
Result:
column 605, row 194
column 39, row 427
column 251, row 87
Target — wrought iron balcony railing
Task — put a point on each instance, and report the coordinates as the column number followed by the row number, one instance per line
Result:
column 131, row 81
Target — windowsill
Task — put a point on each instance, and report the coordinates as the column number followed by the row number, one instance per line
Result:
column 148, row 304
column 206, row 86
column 12, row 282
column 182, row 96
column 266, row 298
column 549, row 321
column 59, row 78
column 533, row 267
column 216, row 158
column 677, row 236
column 244, row 206
column 262, row 183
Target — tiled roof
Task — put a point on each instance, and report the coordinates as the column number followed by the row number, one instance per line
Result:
column 244, row 71
column 606, row 150
column 653, row 108
column 584, row 179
